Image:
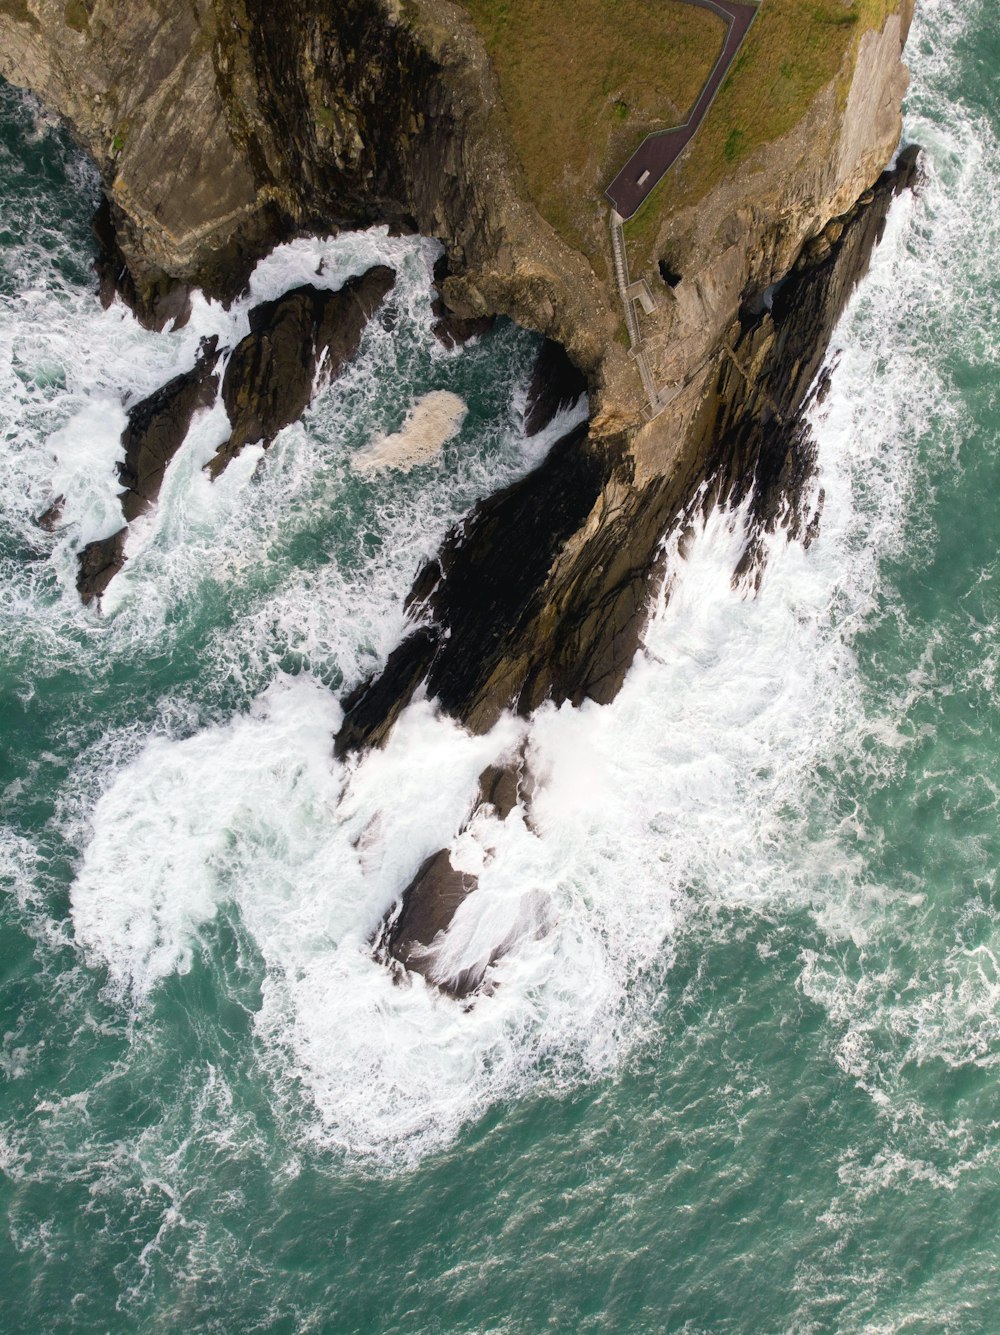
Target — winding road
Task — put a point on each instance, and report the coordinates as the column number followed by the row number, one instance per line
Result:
column 659, row 151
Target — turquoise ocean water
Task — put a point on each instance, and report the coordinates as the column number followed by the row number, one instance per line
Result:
column 742, row 1071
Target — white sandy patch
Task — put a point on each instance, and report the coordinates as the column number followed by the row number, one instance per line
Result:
column 430, row 424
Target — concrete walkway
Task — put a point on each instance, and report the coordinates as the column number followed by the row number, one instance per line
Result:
column 630, row 294
column 658, row 152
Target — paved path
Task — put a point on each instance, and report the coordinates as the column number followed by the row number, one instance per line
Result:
column 658, row 152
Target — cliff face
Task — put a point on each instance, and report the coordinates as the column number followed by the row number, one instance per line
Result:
column 221, row 126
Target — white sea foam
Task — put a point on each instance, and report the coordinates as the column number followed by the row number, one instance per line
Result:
column 677, row 795
column 430, row 424
column 689, row 795
column 68, row 373
column 684, row 793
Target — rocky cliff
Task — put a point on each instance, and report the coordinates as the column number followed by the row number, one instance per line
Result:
column 223, row 126
column 220, row 126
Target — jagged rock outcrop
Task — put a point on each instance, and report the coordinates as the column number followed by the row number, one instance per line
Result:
column 272, row 374
column 296, row 344
column 411, row 933
column 155, row 431
column 543, row 591
column 225, row 125
column 450, row 329
column 753, row 443
column 157, row 428
column 482, row 598
column 763, row 448
column 99, row 563
column 427, row 909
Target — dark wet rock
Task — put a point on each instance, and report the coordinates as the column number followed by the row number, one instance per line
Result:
column 407, row 935
column 499, row 788
column 162, row 300
column 271, row 376
column 268, row 384
column 155, row 431
column 555, row 384
column 158, row 426
column 480, row 594
column 51, row 518
column 426, row 909
column 492, row 635
column 761, row 445
column 99, row 563
column 543, row 591
column 372, row 707
column 516, row 613
column 454, row 328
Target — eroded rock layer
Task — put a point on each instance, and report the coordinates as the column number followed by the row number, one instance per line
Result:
column 479, row 651
column 272, row 374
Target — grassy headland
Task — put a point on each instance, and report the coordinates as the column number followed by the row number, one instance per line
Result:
column 585, row 80
column 792, row 51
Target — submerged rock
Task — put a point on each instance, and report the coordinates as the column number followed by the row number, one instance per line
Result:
column 99, row 563
column 426, row 910
column 158, row 426
column 50, row 518
column 271, row 376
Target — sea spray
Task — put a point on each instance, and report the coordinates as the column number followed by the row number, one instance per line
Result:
column 686, row 791
column 745, row 1076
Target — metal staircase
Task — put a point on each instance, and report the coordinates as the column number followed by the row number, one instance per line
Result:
column 630, row 293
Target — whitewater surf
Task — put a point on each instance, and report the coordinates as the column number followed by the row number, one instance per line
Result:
column 744, row 1020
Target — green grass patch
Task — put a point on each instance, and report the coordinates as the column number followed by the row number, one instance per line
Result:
column 734, row 145
column 583, row 81
column 77, row 16
column 791, row 52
